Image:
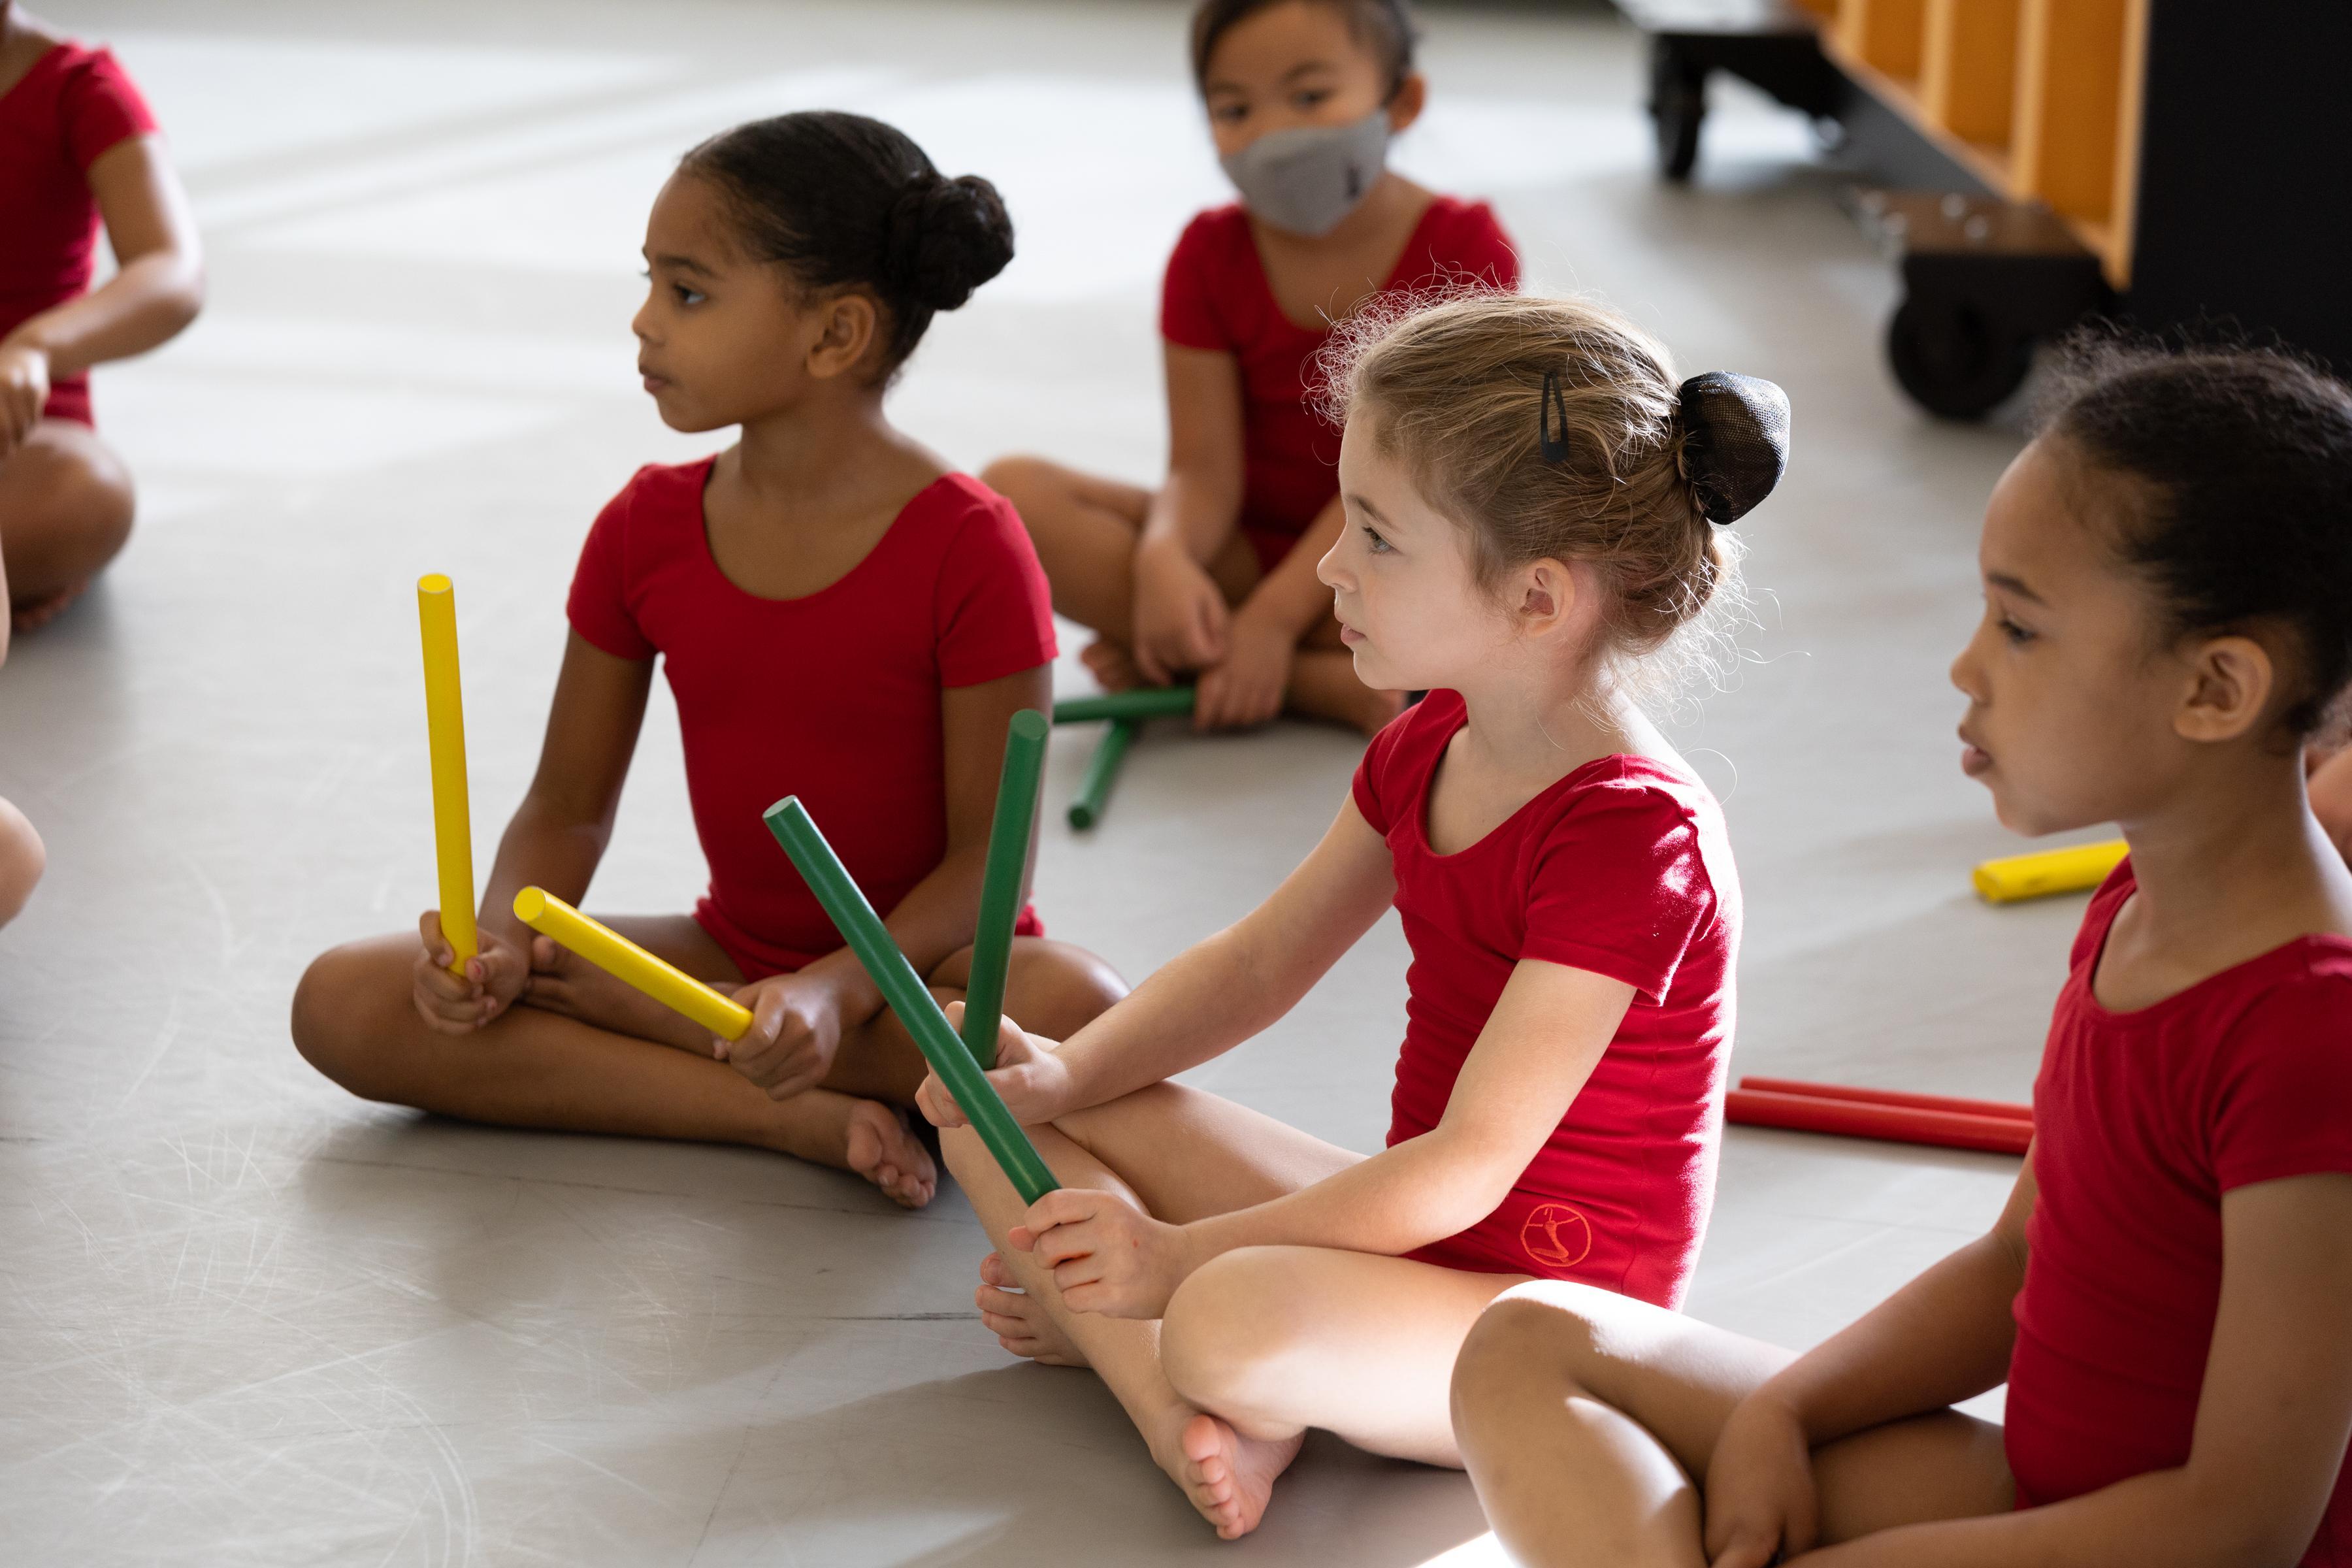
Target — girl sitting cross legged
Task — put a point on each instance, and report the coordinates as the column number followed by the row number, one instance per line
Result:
column 840, row 617
column 1534, row 509
column 2167, row 581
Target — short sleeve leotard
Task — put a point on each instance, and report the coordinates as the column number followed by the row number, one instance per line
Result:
column 2142, row 1122
column 834, row 697
column 1216, row 296
column 1623, row 868
column 74, row 106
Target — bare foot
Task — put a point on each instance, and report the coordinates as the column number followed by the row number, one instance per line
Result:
column 885, row 1153
column 563, row 982
column 861, row 1135
column 1020, row 1322
column 30, row 615
column 1229, row 1478
column 1112, row 666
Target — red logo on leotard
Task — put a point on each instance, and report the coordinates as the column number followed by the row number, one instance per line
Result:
column 1556, row 1236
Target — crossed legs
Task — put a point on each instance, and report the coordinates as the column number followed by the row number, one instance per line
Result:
column 1583, row 1416
column 1260, row 1343
column 1086, row 529
column 65, row 512
column 596, row 1067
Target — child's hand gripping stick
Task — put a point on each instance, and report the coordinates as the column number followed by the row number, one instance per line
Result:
column 445, row 721
column 616, row 955
column 1004, row 883
column 2071, row 871
column 900, row 987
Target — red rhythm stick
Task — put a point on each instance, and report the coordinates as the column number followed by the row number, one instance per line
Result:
column 1893, row 1123
column 1891, row 1097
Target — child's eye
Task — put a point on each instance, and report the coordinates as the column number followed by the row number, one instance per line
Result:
column 1379, row 546
column 2018, row 635
column 686, row 296
column 1312, row 98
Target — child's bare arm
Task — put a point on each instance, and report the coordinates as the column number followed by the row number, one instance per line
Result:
column 1248, row 686
column 1210, row 997
column 1943, row 1338
column 160, row 285
column 2271, row 1420
column 556, row 836
column 1547, row 1032
column 1180, row 613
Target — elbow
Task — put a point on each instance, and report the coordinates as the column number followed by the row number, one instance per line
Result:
column 186, row 299
column 1465, row 1185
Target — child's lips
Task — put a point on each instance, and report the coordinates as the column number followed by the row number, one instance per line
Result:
column 1975, row 761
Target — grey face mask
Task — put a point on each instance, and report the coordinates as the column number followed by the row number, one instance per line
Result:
column 1305, row 180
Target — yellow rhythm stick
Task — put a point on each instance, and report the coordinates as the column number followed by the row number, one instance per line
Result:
column 2073, row 871
column 444, row 722
column 616, row 955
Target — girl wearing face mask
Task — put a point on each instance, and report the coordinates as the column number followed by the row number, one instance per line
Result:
column 839, row 616
column 1211, row 578
column 2168, row 624
column 1537, row 509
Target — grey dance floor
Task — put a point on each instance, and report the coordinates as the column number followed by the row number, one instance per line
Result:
column 247, row 1318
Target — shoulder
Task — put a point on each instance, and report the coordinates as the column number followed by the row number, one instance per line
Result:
column 970, row 533
column 2296, row 1000
column 1212, row 229
column 89, row 74
column 659, row 492
column 1467, row 231
column 1639, row 812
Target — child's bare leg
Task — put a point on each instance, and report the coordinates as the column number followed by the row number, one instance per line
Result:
column 354, row 1020
column 65, row 512
column 1279, row 1339
column 1583, row 1416
column 1086, row 529
column 22, row 859
column 1203, row 1155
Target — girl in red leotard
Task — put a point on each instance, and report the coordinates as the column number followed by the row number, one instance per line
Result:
column 840, row 617
column 2167, row 585
column 1212, row 576
column 77, row 147
column 1535, row 506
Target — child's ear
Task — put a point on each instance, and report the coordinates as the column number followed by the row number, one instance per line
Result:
column 1406, row 103
column 1547, row 597
column 847, row 325
column 2232, row 681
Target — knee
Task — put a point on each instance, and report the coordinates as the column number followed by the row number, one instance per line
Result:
column 1229, row 1322
column 1536, row 1331
column 330, row 1007
column 1055, row 989
column 23, row 858
column 1018, row 479
column 82, row 489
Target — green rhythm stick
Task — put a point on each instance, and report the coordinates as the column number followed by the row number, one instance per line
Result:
column 1143, row 702
column 1102, row 772
column 1003, row 881
column 863, row 929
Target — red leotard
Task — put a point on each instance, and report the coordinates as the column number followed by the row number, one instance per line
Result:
column 2143, row 1120
column 73, row 106
column 1216, row 297
column 834, row 697
column 1623, row 868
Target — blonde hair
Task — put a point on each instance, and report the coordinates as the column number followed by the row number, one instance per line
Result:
column 1456, row 389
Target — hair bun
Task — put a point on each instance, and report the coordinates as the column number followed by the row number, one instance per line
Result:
column 946, row 238
column 1735, row 442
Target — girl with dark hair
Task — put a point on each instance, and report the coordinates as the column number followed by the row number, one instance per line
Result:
column 1210, row 577
column 840, row 617
column 2167, row 581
